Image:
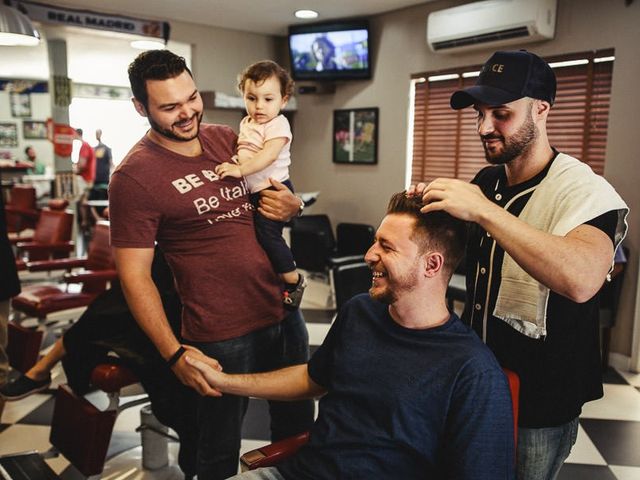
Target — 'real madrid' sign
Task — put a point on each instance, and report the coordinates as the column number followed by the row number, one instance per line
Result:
column 82, row 18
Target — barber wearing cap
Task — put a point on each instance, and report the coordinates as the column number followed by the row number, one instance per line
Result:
column 542, row 235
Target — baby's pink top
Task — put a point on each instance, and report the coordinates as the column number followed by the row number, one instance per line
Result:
column 253, row 136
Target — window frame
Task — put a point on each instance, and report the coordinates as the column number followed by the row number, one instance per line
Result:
column 577, row 124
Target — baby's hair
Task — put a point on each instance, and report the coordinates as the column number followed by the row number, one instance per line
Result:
column 260, row 71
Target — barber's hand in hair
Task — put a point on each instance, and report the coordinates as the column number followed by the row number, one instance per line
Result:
column 208, row 368
column 191, row 376
column 461, row 199
column 228, row 170
column 279, row 204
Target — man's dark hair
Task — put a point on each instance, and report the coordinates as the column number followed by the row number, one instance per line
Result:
column 79, row 131
column 260, row 71
column 154, row 65
column 434, row 230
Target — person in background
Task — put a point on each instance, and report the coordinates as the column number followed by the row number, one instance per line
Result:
column 84, row 166
column 104, row 162
column 166, row 191
column 84, row 163
column 408, row 391
column 36, row 167
column 99, row 191
column 9, row 287
column 543, row 231
column 264, row 144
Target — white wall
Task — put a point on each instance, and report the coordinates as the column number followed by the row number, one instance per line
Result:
column 93, row 57
column 40, row 111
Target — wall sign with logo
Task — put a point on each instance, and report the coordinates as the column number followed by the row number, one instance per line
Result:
column 62, row 138
column 99, row 21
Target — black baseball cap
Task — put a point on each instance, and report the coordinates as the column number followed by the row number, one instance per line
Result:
column 509, row 76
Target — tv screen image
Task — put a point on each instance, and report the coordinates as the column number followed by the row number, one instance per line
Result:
column 330, row 54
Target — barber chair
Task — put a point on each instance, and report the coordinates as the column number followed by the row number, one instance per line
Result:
column 349, row 280
column 23, row 346
column 312, row 242
column 353, row 240
column 79, row 430
column 99, row 269
column 51, row 238
column 43, row 299
column 21, row 209
column 272, row 454
column 316, row 250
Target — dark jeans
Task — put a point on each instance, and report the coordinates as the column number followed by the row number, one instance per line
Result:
column 269, row 234
column 220, row 419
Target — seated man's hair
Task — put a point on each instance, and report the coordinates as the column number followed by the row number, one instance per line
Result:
column 154, row 65
column 434, row 230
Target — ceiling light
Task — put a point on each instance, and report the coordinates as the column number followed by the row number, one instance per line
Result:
column 16, row 29
column 148, row 44
column 306, row 14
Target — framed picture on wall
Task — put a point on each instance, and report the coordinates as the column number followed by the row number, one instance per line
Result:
column 8, row 135
column 34, row 129
column 355, row 136
column 20, row 104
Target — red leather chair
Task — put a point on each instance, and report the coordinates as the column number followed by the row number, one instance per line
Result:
column 22, row 212
column 99, row 269
column 51, row 238
column 79, row 430
column 272, row 454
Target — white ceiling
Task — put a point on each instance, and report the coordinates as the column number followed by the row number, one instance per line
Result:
column 259, row 16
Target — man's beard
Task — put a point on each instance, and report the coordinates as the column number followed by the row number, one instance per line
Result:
column 391, row 293
column 519, row 143
column 166, row 132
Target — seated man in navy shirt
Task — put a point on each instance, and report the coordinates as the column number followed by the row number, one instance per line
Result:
column 407, row 390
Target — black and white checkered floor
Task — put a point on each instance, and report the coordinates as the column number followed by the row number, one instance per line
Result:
column 607, row 446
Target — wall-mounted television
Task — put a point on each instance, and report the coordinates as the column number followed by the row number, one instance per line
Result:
column 330, row 51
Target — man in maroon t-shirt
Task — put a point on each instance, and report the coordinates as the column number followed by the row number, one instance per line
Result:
column 166, row 191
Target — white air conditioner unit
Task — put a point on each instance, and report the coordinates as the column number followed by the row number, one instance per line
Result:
column 491, row 23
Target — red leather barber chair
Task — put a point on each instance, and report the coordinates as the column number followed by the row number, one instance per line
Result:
column 79, row 430
column 51, row 238
column 22, row 212
column 43, row 299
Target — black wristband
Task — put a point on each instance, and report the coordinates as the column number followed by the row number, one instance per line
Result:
column 176, row 356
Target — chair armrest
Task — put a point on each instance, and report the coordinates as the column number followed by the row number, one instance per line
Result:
column 337, row 261
column 56, row 264
column 79, row 277
column 46, row 247
column 274, row 453
column 18, row 239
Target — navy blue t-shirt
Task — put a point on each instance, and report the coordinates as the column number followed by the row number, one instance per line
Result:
column 405, row 403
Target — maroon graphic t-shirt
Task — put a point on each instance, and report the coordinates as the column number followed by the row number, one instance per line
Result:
column 204, row 225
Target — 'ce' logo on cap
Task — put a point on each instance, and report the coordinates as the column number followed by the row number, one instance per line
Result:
column 497, row 67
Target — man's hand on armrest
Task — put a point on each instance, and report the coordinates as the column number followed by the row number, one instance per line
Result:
column 279, row 204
